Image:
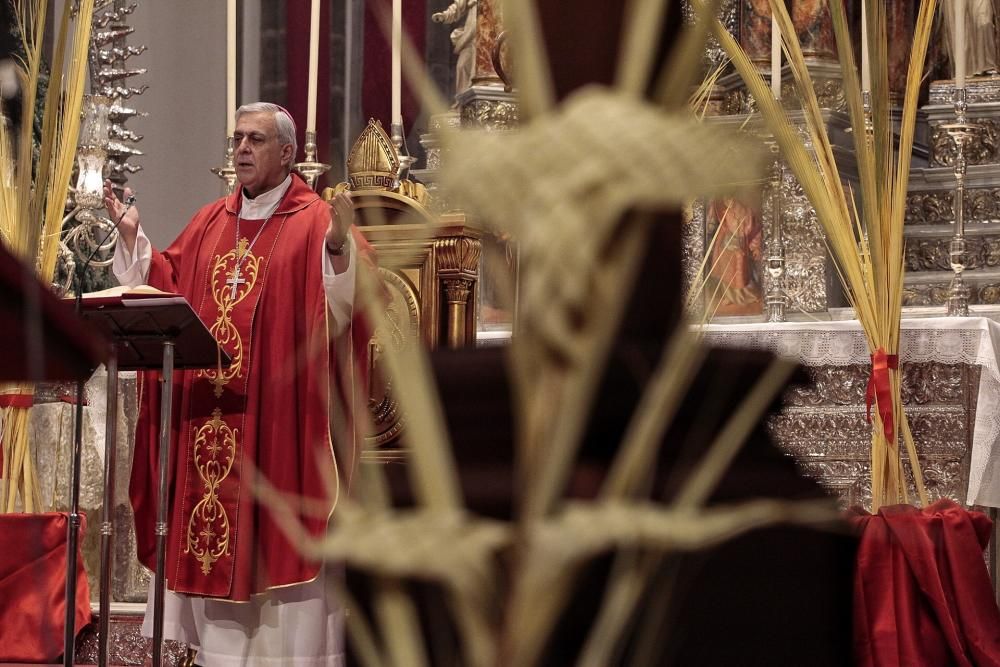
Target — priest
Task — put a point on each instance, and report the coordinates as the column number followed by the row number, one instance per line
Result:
column 271, row 271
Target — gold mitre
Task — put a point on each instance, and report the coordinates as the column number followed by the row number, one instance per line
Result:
column 373, row 162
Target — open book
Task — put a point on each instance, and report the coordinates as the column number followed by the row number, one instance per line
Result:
column 144, row 294
column 123, row 291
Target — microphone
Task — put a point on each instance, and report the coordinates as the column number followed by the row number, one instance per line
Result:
column 82, row 269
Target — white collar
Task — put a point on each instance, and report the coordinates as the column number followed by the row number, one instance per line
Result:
column 264, row 204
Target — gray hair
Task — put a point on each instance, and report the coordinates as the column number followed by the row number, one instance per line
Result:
column 286, row 128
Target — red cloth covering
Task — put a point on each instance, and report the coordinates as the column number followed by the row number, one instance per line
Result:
column 922, row 595
column 33, row 586
column 268, row 412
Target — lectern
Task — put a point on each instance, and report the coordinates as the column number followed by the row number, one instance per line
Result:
column 148, row 331
column 42, row 340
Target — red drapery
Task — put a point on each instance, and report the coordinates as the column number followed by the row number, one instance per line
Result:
column 33, row 586
column 375, row 75
column 376, row 78
column 297, row 67
column 922, row 594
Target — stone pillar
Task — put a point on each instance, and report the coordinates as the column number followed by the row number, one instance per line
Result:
column 489, row 25
column 458, row 266
column 900, row 22
column 813, row 26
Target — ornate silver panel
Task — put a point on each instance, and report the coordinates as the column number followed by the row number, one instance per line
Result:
column 714, row 56
column 806, row 259
column 488, row 108
column 983, row 149
column 979, row 90
column 982, row 205
column 490, row 115
column 932, row 254
column 940, row 400
column 936, row 293
column 693, row 248
column 126, row 645
column 827, row 82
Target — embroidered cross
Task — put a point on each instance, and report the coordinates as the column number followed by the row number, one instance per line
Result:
column 235, row 281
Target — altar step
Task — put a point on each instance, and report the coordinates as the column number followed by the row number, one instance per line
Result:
column 126, row 645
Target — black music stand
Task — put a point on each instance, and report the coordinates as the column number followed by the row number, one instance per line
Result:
column 148, row 332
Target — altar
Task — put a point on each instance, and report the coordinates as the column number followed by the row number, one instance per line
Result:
column 951, row 389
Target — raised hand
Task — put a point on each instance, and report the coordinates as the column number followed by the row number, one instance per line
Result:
column 341, row 219
column 129, row 226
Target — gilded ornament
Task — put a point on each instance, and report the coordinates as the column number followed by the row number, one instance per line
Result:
column 373, row 162
column 373, row 165
column 227, row 292
column 214, row 452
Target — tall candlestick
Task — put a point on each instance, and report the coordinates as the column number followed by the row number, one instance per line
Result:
column 775, row 57
column 313, row 67
column 866, row 73
column 397, row 47
column 230, row 67
column 959, row 44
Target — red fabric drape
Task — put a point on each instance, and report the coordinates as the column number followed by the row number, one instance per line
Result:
column 297, row 68
column 33, row 586
column 879, row 387
column 376, row 77
column 922, row 595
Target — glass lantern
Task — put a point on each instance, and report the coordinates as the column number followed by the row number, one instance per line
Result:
column 92, row 152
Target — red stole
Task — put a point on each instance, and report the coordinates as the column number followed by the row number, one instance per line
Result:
column 268, row 412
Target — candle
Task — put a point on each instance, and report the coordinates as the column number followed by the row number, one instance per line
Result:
column 866, row 74
column 959, row 44
column 397, row 42
column 775, row 57
column 313, row 67
column 230, row 67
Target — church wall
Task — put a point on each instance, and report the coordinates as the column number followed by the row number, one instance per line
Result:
column 184, row 132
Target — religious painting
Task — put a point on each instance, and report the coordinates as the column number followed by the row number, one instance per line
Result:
column 733, row 268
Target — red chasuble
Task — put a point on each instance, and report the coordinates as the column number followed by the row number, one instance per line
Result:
column 267, row 412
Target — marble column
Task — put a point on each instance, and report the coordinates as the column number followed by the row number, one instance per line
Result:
column 489, row 25
column 900, row 22
column 812, row 25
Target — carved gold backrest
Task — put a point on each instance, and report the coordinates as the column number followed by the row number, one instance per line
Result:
column 429, row 265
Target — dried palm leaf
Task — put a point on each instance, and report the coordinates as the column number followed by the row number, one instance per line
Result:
column 867, row 248
column 33, row 194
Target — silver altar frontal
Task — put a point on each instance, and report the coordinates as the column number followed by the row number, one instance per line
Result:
column 951, row 388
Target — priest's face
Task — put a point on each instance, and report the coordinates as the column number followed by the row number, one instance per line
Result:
column 262, row 162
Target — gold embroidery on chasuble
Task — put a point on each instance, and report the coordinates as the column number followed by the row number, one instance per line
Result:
column 214, row 454
column 230, row 285
column 217, row 445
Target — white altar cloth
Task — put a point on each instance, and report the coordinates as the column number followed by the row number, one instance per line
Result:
column 952, row 340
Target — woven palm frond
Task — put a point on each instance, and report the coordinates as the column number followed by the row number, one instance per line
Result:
column 576, row 188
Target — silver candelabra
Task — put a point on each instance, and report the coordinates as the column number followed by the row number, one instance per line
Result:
column 962, row 132
column 311, row 168
column 776, row 300
column 405, row 159
column 227, row 172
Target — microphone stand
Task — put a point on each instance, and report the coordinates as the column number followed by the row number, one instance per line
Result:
column 73, row 529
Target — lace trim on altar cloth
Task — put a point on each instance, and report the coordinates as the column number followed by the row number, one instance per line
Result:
column 951, row 340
